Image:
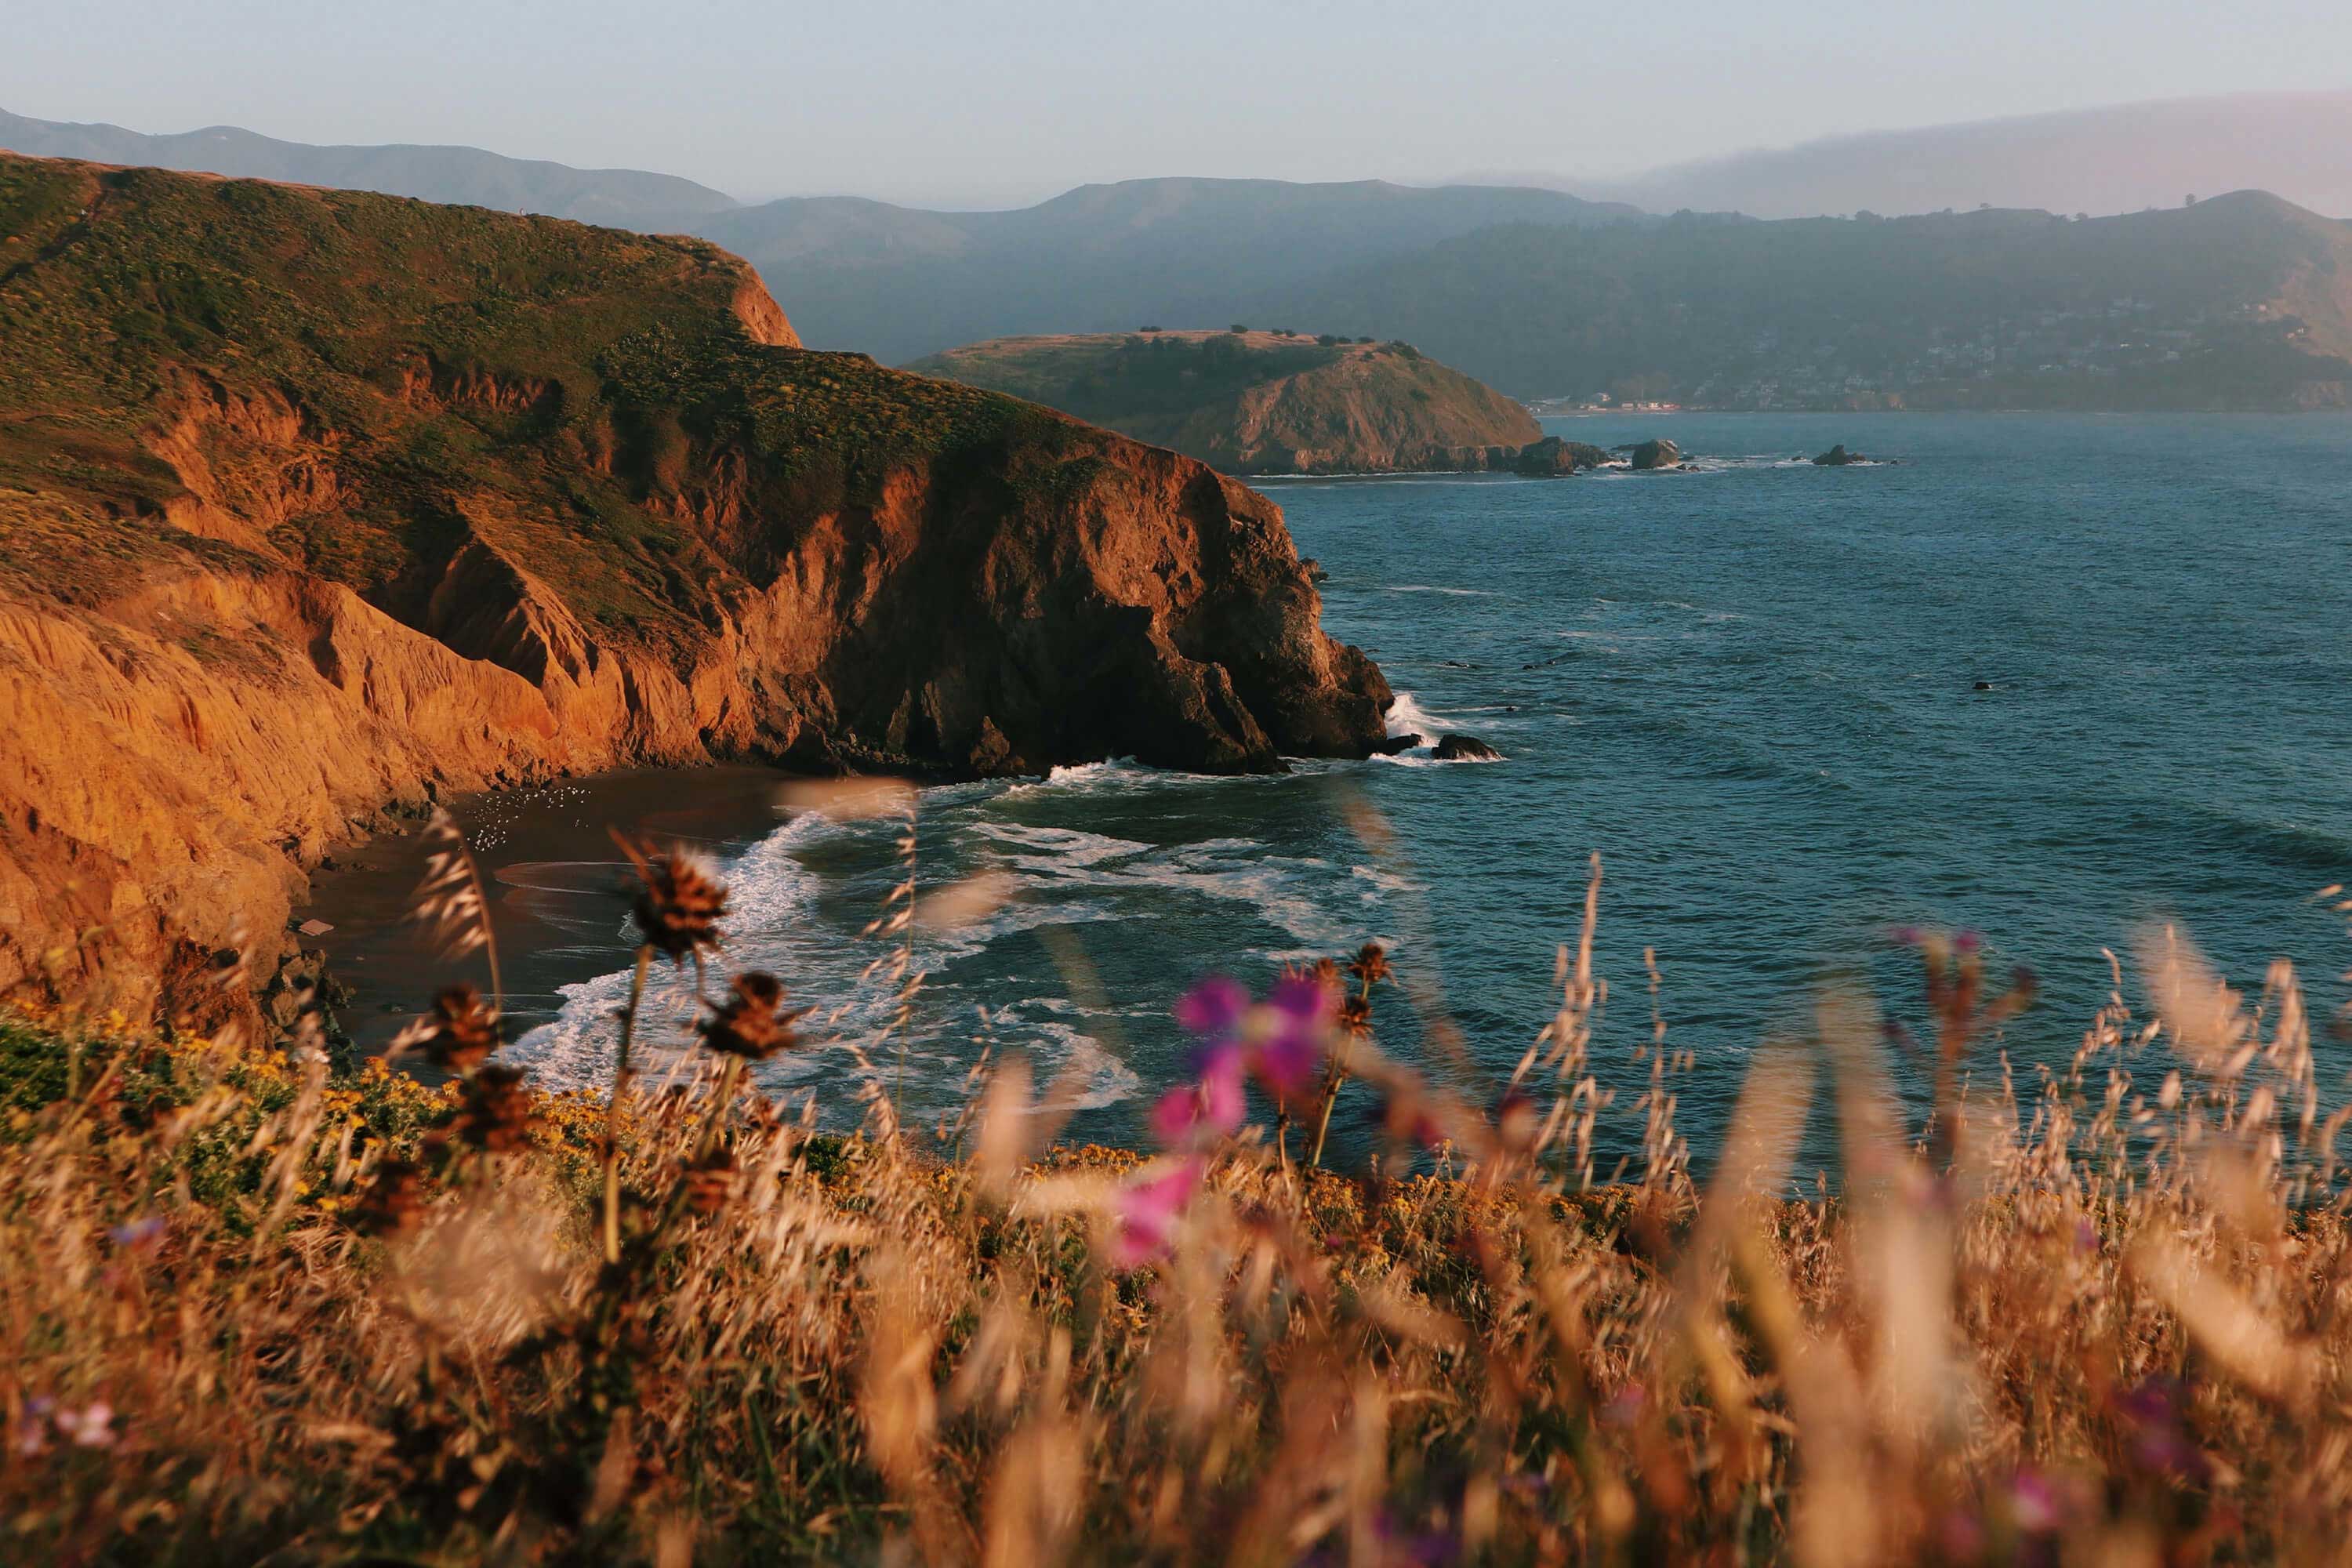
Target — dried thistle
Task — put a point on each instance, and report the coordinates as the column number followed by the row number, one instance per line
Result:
column 683, row 900
column 497, row 1111
column 458, row 1035
column 394, row 1201
column 710, row 1180
column 1371, row 964
column 752, row 1024
column 450, row 903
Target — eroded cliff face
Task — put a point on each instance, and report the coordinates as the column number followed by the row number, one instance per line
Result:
column 314, row 505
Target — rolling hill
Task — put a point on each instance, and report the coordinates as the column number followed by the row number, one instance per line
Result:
column 2244, row 301
column 1258, row 402
column 2117, row 159
column 898, row 283
column 624, row 199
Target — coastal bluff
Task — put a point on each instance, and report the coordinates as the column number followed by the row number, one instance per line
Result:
column 1259, row 402
column 316, row 506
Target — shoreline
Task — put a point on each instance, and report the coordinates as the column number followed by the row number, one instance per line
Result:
column 559, row 889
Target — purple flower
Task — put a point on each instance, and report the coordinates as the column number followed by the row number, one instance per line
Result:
column 32, row 1433
column 138, row 1233
column 2035, row 1504
column 2160, row 1441
column 1294, row 1026
column 90, row 1427
column 1214, row 1007
column 1210, row 1108
column 1145, row 1213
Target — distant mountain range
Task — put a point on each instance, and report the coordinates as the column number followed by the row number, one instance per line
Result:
column 2095, row 161
column 2244, row 301
column 898, row 282
column 621, row 198
column 2234, row 302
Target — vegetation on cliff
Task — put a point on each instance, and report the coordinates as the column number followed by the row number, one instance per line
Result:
column 314, row 501
column 257, row 1308
column 1259, row 402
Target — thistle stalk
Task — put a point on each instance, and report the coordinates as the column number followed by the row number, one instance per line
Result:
column 622, row 1075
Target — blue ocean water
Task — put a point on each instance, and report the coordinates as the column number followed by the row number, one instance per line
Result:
column 1753, row 690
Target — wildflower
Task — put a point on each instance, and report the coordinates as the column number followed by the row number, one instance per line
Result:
column 750, row 1024
column 1355, row 1018
column 2035, row 1504
column 1212, row 1106
column 1371, row 964
column 393, row 1202
column 1293, row 1028
column 459, row 1033
column 2160, row 1440
column 497, row 1111
column 683, row 902
column 92, row 1427
column 32, row 1433
column 139, row 1233
column 1213, row 1008
column 1145, row 1214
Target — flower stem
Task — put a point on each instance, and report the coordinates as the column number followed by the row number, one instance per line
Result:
column 621, row 1073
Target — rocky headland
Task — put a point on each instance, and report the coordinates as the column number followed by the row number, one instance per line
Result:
column 316, row 506
column 1262, row 401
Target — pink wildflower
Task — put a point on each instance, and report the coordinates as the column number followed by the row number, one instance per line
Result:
column 1145, row 1217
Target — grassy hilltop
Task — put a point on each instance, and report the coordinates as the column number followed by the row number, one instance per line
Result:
column 1257, row 402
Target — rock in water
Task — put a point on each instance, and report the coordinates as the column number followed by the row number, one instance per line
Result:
column 436, row 497
column 1465, row 749
column 1658, row 454
column 1396, row 743
column 1553, row 457
column 1837, row 457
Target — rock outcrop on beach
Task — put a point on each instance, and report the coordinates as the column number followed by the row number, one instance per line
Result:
column 317, row 505
column 1552, row 456
column 1259, row 402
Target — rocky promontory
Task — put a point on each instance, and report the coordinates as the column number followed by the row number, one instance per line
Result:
column 315, row 506
column 1260, row 401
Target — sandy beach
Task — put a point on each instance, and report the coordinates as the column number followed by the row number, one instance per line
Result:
column 560, row 891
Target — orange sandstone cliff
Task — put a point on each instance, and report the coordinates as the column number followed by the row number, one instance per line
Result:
column 315, row 505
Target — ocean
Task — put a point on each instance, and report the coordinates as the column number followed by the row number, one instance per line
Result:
column 2056, row 679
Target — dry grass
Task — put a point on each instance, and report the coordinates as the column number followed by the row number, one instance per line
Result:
column 251, row 1313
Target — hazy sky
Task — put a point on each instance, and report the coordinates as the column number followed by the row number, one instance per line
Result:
column 967, row 102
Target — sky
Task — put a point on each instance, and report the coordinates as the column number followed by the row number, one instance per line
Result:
column 983, row 103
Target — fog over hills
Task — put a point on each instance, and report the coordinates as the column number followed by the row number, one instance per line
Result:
column 2098, row 161
column 899, row 282
column 623, row 198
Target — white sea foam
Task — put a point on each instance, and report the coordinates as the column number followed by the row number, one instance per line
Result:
column 1431, row 588
column 1408, row 717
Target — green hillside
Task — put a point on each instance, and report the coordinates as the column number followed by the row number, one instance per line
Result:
column 1257, row 402
column 2241, row 301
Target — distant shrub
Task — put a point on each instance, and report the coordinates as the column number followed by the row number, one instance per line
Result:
column 1329, row 340
column 1366, row 339
column 1155, row 329
column 1237, row 327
